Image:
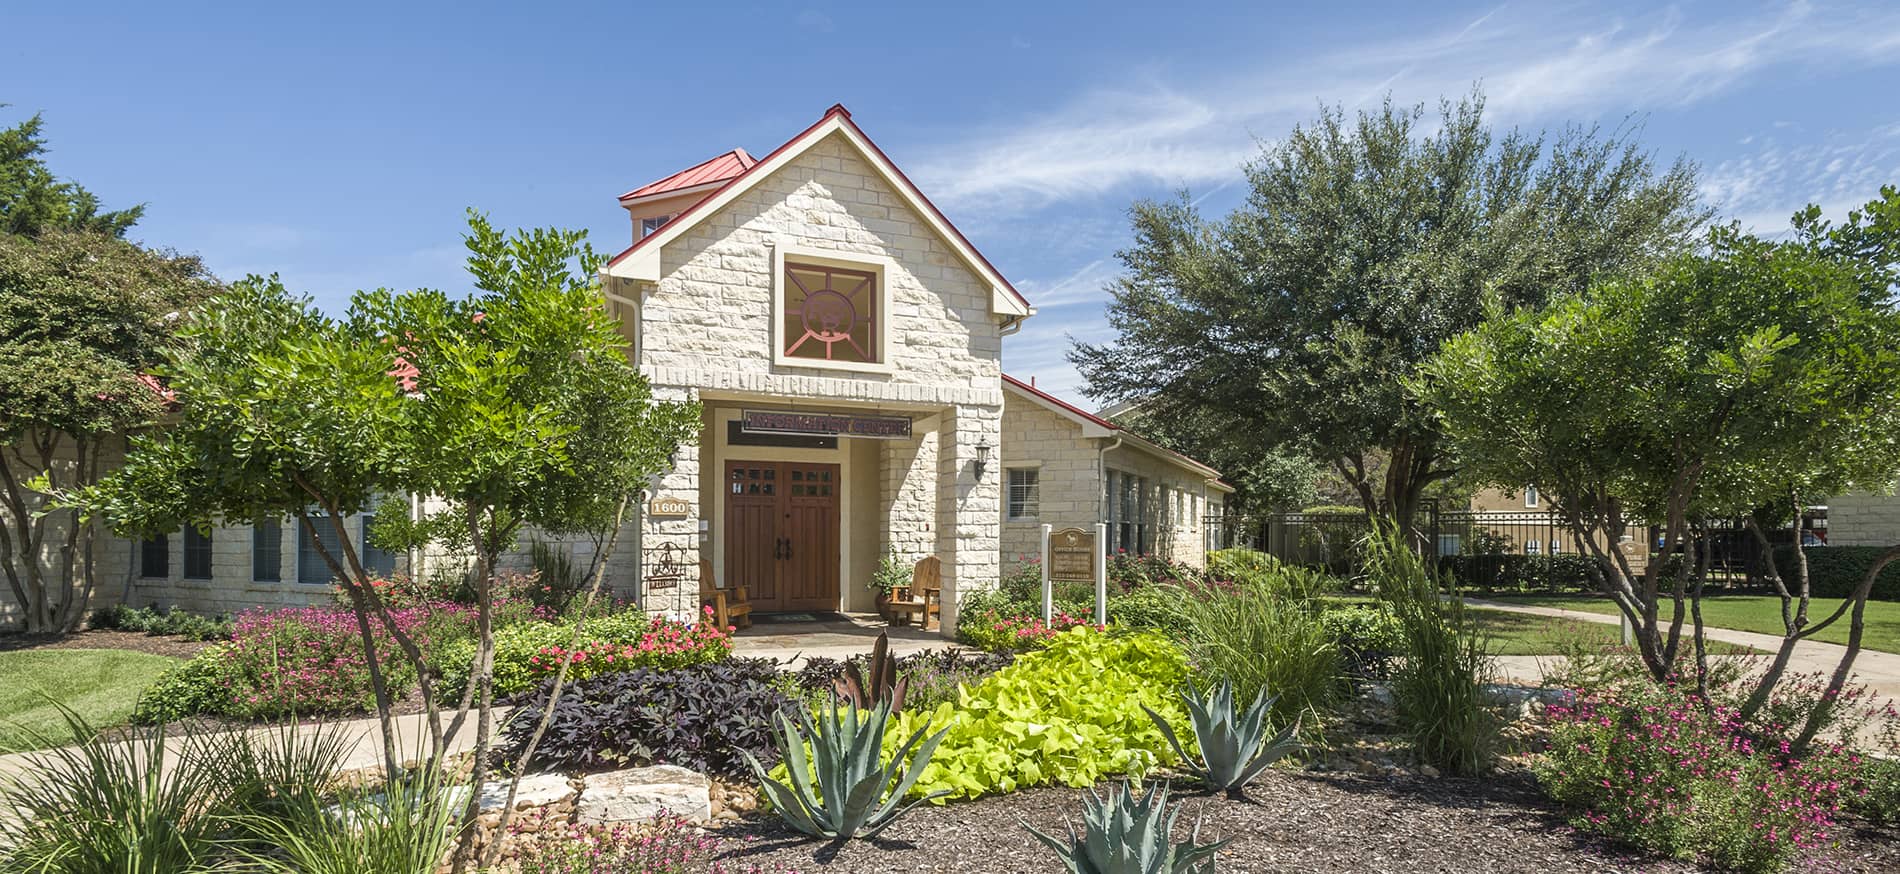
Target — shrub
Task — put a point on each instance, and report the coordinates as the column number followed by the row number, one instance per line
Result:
column 310, row 659
column 1070, row 714
column 1148, row 609
column 529, row 652
column 1239, row 564
column 1438, row 688
column 1261, row 632
column 699, row 717
column 1681, row 776
column 1018, row 633
column 1570, row 572
column 1835, row 571
column 173, row 622
column 1877, row 791
column 201, row 684
column 1368, row 636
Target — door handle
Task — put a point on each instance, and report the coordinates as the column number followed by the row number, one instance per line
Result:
column 788, row 547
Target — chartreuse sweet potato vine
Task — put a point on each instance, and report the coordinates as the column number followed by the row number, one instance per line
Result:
column 1070, row 714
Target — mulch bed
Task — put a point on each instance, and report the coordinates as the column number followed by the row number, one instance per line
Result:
column 1294, row 822
column 136, row 641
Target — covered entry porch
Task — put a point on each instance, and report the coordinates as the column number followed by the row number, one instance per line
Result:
column 796, row 500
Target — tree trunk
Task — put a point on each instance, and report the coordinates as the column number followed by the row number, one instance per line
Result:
column 599, row 572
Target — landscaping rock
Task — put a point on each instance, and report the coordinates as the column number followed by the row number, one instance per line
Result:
column 537, row 790
column 637, row 794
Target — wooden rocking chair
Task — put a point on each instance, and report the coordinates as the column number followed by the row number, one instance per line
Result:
column 924, row 595
column 730, row 607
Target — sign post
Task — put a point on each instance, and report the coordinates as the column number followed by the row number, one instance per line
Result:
column 1101, row 573
column 1048, row 587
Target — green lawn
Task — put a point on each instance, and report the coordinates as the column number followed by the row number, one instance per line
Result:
column 1757, row 613
column 101, row 685
column 1524, row 634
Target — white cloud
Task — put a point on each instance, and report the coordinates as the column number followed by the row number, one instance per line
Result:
column 1534, row 63
column 1763, row 188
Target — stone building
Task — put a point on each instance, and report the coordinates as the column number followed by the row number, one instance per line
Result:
column 845, row 343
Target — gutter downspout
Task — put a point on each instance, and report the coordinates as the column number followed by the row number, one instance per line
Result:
column 1101, row 473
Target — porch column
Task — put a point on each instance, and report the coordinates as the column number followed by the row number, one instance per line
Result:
column 681, row 533
column 969, row 509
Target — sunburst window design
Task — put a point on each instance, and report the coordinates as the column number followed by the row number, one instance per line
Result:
column 831, row 314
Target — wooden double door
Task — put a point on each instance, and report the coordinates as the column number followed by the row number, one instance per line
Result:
column 782, row 525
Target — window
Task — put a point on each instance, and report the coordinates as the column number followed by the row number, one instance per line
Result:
column 1025, row 492
column 830, row 314
column 377, row 561
column 1556, row 547
column 1530, row 497
column 267, row 552
column 1129, row 513
column 649, row 225
column 155, row 557
column 1532, row 547
column 311, row 568
column 197, row 554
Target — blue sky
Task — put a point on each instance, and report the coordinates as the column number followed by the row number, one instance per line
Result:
column 338, row 145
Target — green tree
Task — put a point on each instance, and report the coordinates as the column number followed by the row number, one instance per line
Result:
column 1362, row 246
column 83, row 316
column 516, row 406
column 33, row 200
column 1753, row 374
column 528, row 404
column 86, row 318
column 282, row 412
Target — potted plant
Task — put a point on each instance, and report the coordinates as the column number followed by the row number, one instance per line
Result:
column 890, row 574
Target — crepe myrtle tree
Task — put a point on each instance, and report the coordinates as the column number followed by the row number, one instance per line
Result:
column 1362, row 245
column 1751, row 374
column 515, row 406
column 281, row 412
column 524, row 410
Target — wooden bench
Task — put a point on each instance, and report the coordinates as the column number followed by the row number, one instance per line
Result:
column 730, row 607
column 923, row 597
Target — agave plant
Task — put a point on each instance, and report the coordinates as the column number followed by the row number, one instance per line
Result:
column 1127, row 835
column 1234, row 747
column 884, row 686
column 844, row 788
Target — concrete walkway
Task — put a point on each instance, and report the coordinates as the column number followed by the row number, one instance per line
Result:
column 839, row 638
column 1879, row 671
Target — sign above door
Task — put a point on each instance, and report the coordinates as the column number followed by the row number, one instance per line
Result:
column 825, row 424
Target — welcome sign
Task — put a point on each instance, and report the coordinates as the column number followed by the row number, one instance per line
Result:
column 825, row 424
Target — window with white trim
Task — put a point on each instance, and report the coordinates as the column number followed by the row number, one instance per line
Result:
column 1025, row 492
column 1530, row 497
column 649, row 225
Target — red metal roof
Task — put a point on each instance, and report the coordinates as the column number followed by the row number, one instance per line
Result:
column 836, row 109
column 717, row 169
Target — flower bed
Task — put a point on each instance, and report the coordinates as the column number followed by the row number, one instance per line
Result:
column 1685, row 777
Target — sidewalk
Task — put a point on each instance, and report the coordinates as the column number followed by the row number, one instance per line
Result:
column 1879, row 671
column 790, row 642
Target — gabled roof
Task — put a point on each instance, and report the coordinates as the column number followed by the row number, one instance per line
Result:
column 720, row 168
column 641, row 261
column 1096, row 426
